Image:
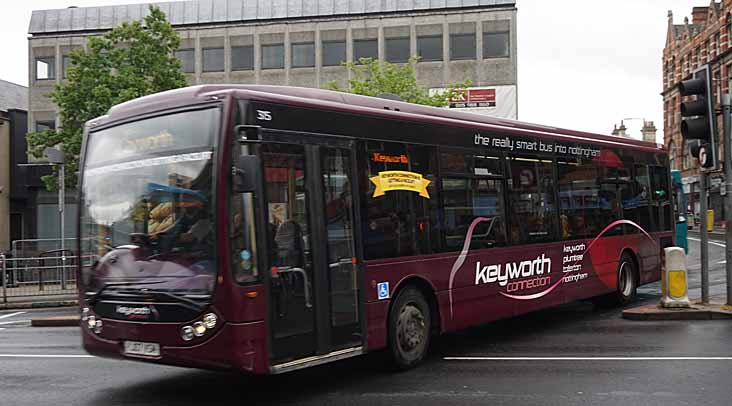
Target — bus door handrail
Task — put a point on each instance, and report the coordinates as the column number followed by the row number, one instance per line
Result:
column 306, row 281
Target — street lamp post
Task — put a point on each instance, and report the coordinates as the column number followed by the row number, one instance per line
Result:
column 56, row 157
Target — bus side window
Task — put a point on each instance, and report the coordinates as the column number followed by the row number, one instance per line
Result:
column 589, row 198
column 636, row 201
column 661, row 197
column 532, row 208
column 467, row 199
column 390, row 218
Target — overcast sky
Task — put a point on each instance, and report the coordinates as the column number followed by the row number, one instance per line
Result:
column 582, row 64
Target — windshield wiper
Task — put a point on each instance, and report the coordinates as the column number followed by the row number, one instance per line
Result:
column 191, row 304
column 92, row 298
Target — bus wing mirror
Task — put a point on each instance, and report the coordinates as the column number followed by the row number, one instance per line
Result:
column 246, row 174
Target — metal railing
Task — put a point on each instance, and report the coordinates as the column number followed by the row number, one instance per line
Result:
column 51, row 273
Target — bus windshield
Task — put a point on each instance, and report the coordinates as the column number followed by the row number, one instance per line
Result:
column 147, row 213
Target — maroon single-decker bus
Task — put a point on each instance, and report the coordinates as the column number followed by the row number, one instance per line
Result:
column 265, row 229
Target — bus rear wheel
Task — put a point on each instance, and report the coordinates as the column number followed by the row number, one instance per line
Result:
column 627, row 281
column 409, row 328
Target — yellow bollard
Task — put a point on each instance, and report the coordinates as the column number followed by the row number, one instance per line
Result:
column 674, row 286
column 710, row 220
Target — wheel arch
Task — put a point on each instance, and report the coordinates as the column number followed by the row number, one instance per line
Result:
column 428, row 290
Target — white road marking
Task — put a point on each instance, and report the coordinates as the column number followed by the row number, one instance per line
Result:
column 587, row 358
column 45, row 356
column 15, row 322
column 5, row 316
column 710, row 242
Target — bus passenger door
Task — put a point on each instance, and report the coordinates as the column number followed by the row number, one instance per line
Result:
column 314, row 285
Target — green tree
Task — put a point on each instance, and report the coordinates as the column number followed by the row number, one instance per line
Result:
column 132, row 60
column 372, row 78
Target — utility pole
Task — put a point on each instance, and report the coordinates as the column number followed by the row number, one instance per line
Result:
column 726, row 106
column 57, row 157
column 704, row 237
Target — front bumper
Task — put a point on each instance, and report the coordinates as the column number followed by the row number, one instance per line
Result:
column 238, row 347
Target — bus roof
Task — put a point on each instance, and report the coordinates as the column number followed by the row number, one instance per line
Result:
column 346, row 102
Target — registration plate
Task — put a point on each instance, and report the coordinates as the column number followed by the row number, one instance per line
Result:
column 141, row 348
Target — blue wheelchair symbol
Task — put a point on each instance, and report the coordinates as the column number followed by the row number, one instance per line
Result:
column 383, row 290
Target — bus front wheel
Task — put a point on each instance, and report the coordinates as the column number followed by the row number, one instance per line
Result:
column 409, row 328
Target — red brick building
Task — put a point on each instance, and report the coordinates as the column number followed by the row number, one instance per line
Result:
column 705, row 38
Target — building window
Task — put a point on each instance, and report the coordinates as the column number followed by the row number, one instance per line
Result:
column 45, row 125
column 65, row 65
column 686, row 157
column 213, row 59
column 365, row 48
column 46, row 68
column 462, row 46
column 397, row 50
column 334, row 53
column 429, row 48
column 187, row 60
column 495, row 45
column 303, row 55
column 242, row 58
column 273, row 56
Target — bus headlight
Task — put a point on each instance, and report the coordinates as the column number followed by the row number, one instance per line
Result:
column 209, row 320
column 199, row 329
column 186, row 333
column 91, row 321
column 98, row 327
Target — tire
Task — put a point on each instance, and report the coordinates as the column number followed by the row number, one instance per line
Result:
column 410, row 324
column 627, row 289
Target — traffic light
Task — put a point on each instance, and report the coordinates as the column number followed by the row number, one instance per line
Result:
column 699, row 125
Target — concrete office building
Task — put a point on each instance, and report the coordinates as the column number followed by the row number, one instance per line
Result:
column 302, row 43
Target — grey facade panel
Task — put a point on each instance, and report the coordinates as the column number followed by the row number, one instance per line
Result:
column 212, row 11
column 249, row 10
column 134, row 12
column 120, row 15
column 264, row 9
column 106, row 17
column 51, row 23
column 177, row 13
column 357, row 6
column 164, row 7
column 294, row 8
column 191, row 13
column 373, row 6
column 64, row 19
column 309, row 8
column 341, row 7
column 279, row 8
column 205, row 11
column 234, row 10
column 92, row 18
